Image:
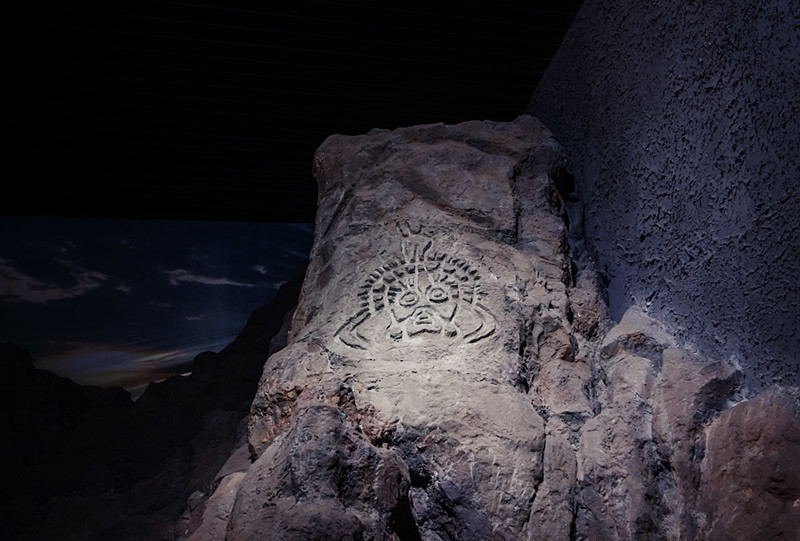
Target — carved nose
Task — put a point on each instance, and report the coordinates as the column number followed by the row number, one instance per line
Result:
column 423, row 316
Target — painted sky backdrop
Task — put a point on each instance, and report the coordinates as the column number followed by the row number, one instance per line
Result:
column 124, row 302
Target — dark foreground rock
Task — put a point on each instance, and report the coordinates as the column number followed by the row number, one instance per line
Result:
column 85, row 463
column 451, row 373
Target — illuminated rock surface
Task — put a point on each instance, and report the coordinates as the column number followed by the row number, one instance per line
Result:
column 680, row 123
column 451, row 374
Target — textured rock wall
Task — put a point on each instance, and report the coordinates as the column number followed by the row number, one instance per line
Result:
column 450, row 375
column 680, row 122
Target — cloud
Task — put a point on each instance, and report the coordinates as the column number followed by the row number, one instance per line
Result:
column 178, row 276
column 260, row 269
column 68, row 245
column 109, row 365
column 17, row 285
column 194, row 318
column 125, row 288
column 296, row 253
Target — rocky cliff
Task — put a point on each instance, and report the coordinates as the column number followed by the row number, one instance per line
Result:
column 452, row 374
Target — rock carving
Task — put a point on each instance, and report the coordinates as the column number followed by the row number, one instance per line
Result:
column 424, row 295
column 490, row 405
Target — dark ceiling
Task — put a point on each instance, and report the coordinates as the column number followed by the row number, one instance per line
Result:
column 192, row 110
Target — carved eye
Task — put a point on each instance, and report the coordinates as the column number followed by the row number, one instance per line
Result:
column 409, row 298
column 437, row 294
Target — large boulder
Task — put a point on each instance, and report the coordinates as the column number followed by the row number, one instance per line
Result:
column 451, row 374
column 440, row 253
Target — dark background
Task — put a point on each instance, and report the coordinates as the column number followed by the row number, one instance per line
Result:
column 210, row 111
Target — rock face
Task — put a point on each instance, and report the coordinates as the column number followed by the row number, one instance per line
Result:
column 451, row 375
column 680, row 124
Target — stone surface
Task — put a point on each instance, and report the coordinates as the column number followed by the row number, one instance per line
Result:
column 217, row 510
column 450, row 374
column 751, row 483
column 416, row 285
column 323, row 478
column 680, row 123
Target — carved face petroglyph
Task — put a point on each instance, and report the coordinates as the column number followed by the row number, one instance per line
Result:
column 425, row 295
column 422, row 304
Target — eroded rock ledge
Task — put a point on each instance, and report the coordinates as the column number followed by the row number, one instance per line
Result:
column 450, row 374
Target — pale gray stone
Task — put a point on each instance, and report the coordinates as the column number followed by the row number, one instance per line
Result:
column 427, row 278
column 450, row 375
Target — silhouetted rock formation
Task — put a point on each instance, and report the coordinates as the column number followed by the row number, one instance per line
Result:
column 86, row 463
column 452, row 375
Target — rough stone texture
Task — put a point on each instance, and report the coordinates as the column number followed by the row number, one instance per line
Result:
column 450, row 375
column 417, row 285
column 323, row 478
column 690, row 392
column 680, row 122
column 217, row 510
column 756, row 482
